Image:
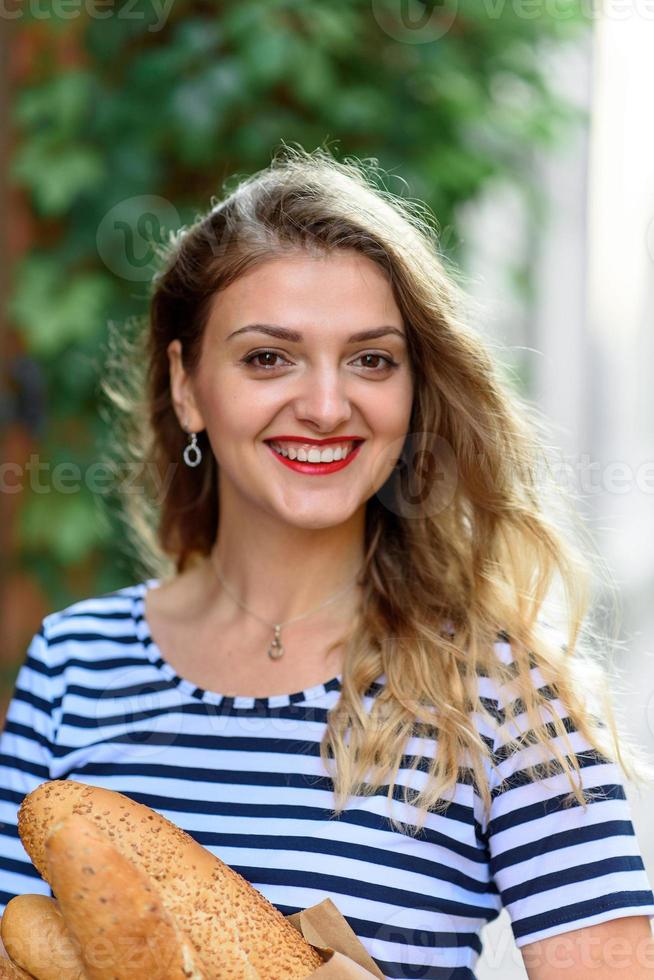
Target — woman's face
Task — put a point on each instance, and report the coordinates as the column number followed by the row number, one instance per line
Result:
column 311, row 380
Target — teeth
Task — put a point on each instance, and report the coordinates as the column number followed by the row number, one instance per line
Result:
column 311, row 454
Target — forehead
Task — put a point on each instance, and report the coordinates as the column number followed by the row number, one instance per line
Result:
column 336, row 292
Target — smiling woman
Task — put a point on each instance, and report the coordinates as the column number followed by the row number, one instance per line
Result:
column 337, row 673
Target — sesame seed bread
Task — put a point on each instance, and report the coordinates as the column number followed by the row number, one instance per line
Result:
column 114, row 909
column 222, row 914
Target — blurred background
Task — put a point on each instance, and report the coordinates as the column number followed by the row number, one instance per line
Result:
column 523, row 126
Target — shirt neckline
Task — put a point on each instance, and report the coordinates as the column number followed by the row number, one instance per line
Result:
column 227, row 702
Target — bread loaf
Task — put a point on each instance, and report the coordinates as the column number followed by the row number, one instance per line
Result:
column 36, row 938
column 221, row 913
column 9, row 971
column 114, row 910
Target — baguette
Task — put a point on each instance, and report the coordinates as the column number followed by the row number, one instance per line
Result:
column 10, row 971
column 222, row 914
column 114, row 910
column 36, row 938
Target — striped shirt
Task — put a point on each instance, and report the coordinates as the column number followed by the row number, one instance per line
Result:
column 96, row 701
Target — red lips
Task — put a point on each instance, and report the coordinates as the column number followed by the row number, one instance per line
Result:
column 315, row 442
column 317, row 469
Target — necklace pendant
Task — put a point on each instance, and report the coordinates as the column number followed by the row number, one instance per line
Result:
column 276, row 650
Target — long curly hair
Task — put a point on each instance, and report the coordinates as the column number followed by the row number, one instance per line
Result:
column 464, row 542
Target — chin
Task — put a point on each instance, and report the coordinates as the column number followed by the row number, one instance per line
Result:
column 319, row 517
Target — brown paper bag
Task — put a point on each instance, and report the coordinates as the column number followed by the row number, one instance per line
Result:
column 327, row 930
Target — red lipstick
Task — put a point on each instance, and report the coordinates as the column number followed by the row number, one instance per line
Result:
column 316, row 469
column 315, row 442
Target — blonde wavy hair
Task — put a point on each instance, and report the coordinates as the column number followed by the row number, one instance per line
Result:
column 445, row 577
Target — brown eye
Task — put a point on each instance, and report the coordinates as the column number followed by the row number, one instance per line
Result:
column 250, row 359
column 388, row 362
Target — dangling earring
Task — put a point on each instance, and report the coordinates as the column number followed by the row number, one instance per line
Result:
column 192, row 448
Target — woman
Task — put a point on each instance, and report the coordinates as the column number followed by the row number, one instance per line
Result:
column 322, row 619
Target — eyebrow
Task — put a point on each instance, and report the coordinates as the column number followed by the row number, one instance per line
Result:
column 283, row 333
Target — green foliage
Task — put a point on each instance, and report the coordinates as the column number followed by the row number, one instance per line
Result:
column 55, row 310
column 171, row 98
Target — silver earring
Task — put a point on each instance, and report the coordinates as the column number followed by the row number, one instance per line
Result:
column 192, row 448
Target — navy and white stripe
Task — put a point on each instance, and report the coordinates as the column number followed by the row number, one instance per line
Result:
column 96, row 701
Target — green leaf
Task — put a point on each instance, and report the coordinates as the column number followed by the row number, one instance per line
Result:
column 61, row 106
column 57, row 173
column 54, row 309
column 267, row 54
column 65, row 524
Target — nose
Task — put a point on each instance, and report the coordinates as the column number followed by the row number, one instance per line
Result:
column 324, row 401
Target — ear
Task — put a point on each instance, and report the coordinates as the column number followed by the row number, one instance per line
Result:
column 181, row 391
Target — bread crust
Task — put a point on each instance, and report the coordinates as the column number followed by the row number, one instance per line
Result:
column 36, row 938
column 114, row 909
column 217, row 908
column 9, row 970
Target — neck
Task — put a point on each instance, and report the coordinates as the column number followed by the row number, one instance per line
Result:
column 288, row 571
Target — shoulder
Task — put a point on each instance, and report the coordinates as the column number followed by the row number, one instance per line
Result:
column 109, row 616
column 77, row 643
column 530, row 728
column 499, row 688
